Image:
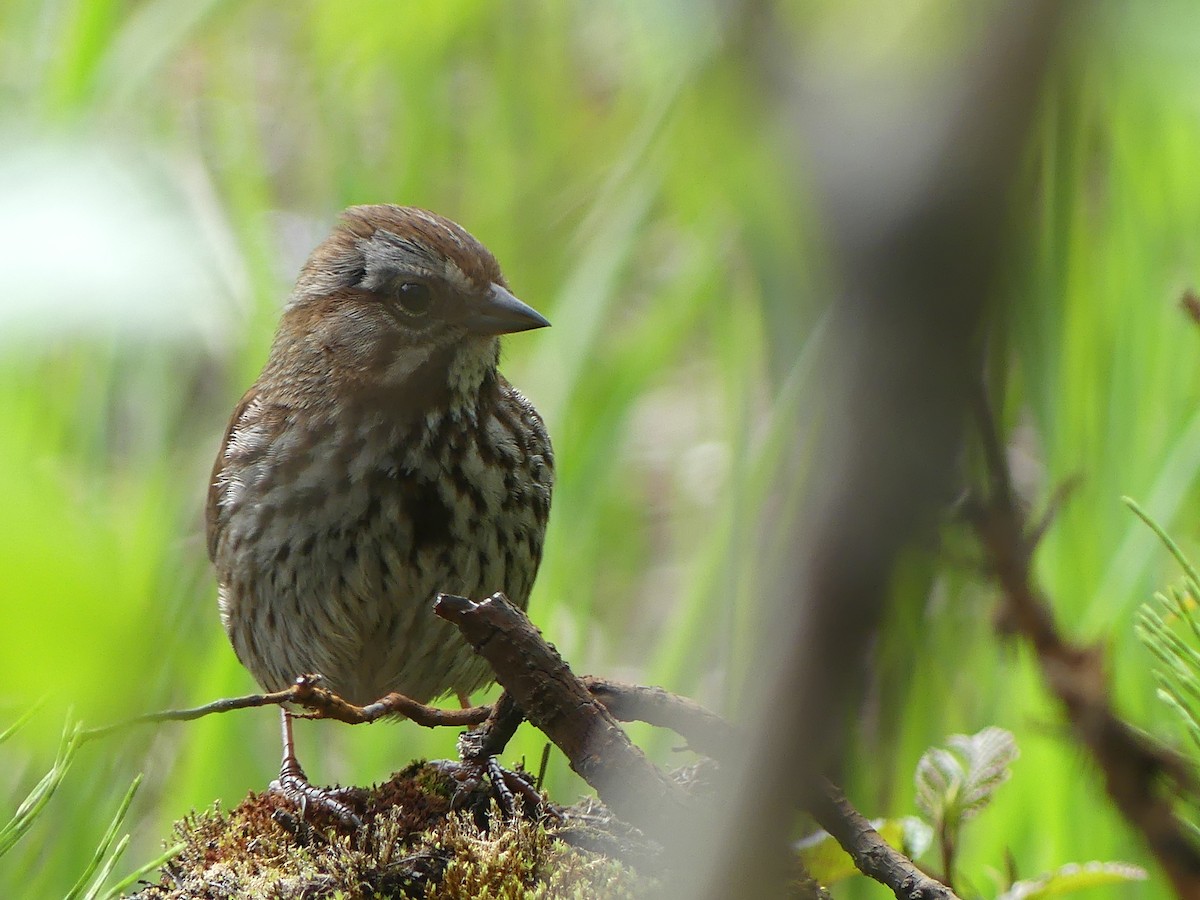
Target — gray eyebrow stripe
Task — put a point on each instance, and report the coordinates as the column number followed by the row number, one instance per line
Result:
column 407, row 251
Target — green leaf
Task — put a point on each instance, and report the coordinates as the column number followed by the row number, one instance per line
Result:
column 1180, row 557
column 118, row 889
column 1158, row 628
column 98, row 870
column 1074, row 877
column 21, row 721
column 33, row 804
column 955, row 785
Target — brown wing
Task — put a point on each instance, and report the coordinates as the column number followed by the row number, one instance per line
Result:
column 212, row 506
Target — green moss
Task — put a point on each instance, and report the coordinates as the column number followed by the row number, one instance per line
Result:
column 412, row 845
column 430, row 779
column 522, row 860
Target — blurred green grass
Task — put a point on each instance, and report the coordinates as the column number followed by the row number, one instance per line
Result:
column 624, row 163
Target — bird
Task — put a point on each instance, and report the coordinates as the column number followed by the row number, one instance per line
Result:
column 379, row 459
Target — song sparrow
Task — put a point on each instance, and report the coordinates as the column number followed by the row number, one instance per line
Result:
column 379, row 458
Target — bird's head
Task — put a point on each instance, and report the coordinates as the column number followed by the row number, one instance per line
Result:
column 400, row 295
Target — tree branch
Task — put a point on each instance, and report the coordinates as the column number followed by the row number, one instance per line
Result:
column 873, row 856
column 554, row 699
column 706, row 733
column 1133, row 765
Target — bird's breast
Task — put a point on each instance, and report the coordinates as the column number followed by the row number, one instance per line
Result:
column 333, row 545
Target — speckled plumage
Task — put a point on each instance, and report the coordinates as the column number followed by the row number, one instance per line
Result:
column 379, row 458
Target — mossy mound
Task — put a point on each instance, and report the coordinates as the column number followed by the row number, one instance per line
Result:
column 424, row 835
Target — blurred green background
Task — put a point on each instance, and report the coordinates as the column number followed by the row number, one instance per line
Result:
column 165, row 167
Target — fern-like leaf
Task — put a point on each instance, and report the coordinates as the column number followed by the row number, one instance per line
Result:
column 33, row 805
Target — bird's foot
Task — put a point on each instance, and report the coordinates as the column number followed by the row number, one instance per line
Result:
column 508, row 785
column 294, row 786
column 514, row 792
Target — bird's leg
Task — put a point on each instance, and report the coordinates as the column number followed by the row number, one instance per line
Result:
column 293, row 784
column 290, row 767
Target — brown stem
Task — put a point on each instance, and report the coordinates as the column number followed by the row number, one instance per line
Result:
column 946, row 843
column 708, row 733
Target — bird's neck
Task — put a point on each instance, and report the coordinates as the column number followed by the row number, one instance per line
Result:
column 471, row 369
column 407, row 388
column 428, row 386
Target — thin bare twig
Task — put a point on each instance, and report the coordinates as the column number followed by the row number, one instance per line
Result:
column 321, row 703
column 705, row 731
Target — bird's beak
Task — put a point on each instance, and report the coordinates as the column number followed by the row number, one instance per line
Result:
column 499, row 312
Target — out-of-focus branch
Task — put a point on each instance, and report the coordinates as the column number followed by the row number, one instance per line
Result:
column 1135, row 768
column 915, row 195
column 708, row 733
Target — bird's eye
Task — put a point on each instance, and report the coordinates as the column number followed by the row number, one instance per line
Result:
column 415, row 298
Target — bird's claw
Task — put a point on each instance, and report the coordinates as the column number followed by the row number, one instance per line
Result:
column 307, row 797
column 506, row 785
